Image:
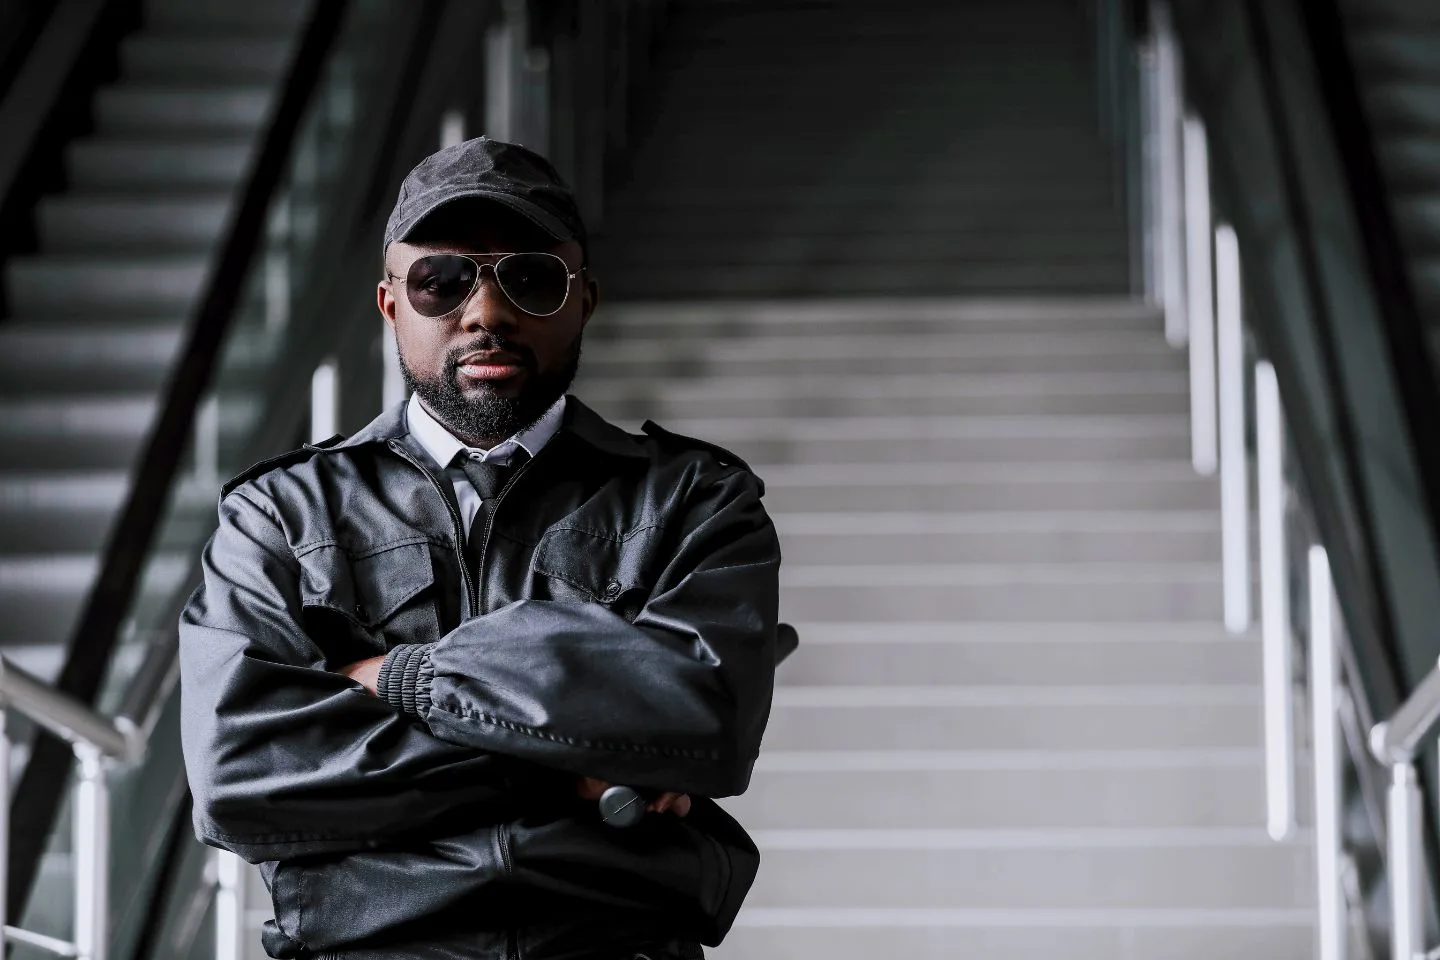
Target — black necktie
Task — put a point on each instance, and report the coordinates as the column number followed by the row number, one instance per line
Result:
column 488, row 478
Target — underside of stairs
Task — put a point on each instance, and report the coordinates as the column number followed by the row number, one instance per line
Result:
column 876, row 250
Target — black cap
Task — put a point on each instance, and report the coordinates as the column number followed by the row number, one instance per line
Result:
column 485, row 169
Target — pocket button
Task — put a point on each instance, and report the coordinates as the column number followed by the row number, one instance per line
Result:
column 612, row 589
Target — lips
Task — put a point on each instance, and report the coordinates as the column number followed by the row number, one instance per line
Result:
column 489, row 366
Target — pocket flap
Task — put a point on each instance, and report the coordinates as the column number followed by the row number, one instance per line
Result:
column 605, row 567
column 370, row 585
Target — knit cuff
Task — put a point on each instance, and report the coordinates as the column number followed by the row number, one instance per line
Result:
column 405, row 676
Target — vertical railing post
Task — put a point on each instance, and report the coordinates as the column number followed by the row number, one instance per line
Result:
column 1326, row 738
column 91, row 855
column 1405, row 855
column 1274, row 606
column 505, row 44
column 229, row 906
column 1234, row 466
column 325, row 401
column 1151, row 210
column 1200, row 299
column 1169, row 196
column 4, row 826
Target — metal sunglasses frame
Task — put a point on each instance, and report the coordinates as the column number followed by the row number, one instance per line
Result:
column 494, row 268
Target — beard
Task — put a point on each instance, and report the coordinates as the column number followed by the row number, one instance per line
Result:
column 486, row 416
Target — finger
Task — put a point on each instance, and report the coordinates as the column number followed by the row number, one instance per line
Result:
column 590, row 788
column 661, row 803
column 681, row 806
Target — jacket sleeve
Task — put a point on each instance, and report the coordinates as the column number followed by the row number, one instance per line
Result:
column 687, row 876
column 674, row 699
column 283, row 757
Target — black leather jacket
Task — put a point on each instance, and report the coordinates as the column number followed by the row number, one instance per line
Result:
column 622, row 627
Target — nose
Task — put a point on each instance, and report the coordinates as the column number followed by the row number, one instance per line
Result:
column 487, row 307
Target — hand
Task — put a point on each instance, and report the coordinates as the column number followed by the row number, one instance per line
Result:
column 367, row 672
column 590, row 788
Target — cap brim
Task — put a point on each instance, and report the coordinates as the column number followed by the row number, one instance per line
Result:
column 533, row 212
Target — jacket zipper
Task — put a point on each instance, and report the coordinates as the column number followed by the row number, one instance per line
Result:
column 471, row 594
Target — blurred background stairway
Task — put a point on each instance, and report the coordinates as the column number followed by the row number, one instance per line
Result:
column 97, row 313
column 834, row 148
column 1015, row 727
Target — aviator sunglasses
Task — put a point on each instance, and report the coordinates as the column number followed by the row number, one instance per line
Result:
column 439, row 284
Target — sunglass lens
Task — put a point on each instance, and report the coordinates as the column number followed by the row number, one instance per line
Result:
column 535, row 282
column 439, row 283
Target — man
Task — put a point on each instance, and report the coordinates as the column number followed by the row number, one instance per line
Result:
column 420, row 654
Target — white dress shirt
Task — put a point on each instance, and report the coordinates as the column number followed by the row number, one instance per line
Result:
column 442, row 446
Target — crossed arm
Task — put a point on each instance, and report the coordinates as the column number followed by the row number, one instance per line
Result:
column 288, row 757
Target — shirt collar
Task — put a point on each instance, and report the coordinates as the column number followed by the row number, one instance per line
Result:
column 442, row 445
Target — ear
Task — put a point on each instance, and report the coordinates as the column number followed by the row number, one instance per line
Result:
column 591, row 300
column 385, row 300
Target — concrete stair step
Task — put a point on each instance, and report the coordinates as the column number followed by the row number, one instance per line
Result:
column 894, row 395
column 1082, row 869
column 1410, row 164
column 1100, row 274
column 144, row 166
column 94, row 432
column 42, row 593
column 1383, row 54
column 975, row 244
column 1019, row 537
column 187, row 53
column 1041, row 485
column 1007, row 789
column 1121, row 592
column 1417, row 217
column 946, row 439
column 850, row 933
column 131, row 110
column 77, row 222
column 1403, row 104
column 861, row 357
column 879, row 223
column 283, row 15
column 895, row 317
column 109, row 284
column 67, row 512
column 762, row 191
column 70, row 511
column 44, row 356
column 1144, row 655
column 1020, row 717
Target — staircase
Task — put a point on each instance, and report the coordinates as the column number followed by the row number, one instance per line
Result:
column 97, row 313
column 838, row 147
column 1395, row 45
column 1015, row 727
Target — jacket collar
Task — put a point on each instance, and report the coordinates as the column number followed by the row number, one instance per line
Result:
column 580, row 422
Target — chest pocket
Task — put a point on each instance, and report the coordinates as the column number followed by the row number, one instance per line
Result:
column 360, row 602
column 579, row 566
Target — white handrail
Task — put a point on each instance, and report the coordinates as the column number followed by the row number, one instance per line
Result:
column 1278, row 668
column 1234, row 465
column 1200, row 300
column 1171, row 259
column 97, row 741
column 1324, row 660
column 1404, row 856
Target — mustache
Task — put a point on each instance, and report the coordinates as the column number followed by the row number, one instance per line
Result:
column 490, row 342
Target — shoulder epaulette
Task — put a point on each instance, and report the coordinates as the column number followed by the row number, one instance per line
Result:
column 298, row 455
column 680, row 441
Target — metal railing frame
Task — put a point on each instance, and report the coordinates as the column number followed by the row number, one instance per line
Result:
column 98, row 743
column 1339, row 713
column 1194, row 277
